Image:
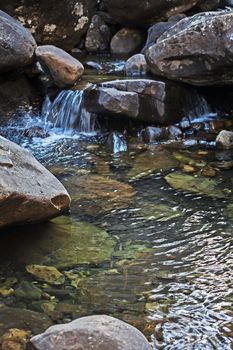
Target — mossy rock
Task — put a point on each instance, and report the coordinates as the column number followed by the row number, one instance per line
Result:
column 159, row 212
column 65, row 243
column 96, row 194
column 132, row 251
column 229, row 211
column 150, row 162
column 195, row 184
column 48, row 274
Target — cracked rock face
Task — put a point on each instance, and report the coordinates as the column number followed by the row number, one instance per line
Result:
column 59, row 23
column 198, row 50
column 28, row 192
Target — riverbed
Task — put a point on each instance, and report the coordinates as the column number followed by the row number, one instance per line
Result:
column 148, row 239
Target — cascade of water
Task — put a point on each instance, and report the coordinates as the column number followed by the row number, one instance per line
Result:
column 67, row 113
column 199, row 109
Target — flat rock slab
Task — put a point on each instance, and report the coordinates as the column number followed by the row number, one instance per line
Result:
column 29, row 193
column 92, row 333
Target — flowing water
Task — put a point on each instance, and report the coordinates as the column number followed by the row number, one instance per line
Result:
column 148, row 239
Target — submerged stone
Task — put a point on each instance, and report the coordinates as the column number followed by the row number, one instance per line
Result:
column 151, row 161
column 48, row 274
column 195, row 184
column 98, row 194
column 27, row 290
column 15, row 339
column 159, row 212
column 64, row 243
column 131, row 251
column 229, row 210
column 22, row 319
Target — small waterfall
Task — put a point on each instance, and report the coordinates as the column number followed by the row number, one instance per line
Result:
column 199, row 109
column 67, row 113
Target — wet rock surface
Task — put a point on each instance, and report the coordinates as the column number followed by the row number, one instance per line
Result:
column 29, row 193
column 99, row 332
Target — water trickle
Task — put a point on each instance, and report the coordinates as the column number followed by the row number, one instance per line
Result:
column 67, row 113
column 199, row 109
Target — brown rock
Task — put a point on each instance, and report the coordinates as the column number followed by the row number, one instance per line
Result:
column 28, row 192
column 64, row 69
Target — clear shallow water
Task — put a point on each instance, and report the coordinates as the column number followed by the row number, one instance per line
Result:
column 132, row 247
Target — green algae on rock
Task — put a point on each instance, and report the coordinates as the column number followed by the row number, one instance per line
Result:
column 132, row 251
column 84, row 244
column 229, row 210
column 99, row 194
column 28, row 290
column 159, row 212
column 48, row 274
column 151, row 161
column 22, row 319
column 195, row 184
column 64, row 243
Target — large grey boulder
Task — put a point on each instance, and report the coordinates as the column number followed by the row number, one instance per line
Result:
column 154, row 101
column 143, row 13
column 61, row 23
column 29, row 193
column 92, row 333
column 17, row 45
column 62, row 68
column 197, row 50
